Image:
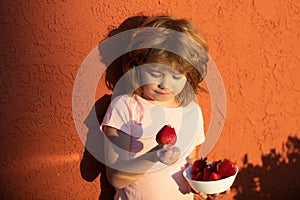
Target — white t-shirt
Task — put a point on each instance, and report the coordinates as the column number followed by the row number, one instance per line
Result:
column 142, row 120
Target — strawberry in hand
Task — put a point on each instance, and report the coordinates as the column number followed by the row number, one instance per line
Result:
column 166, row 135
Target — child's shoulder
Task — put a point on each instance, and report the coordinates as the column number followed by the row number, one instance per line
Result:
column 121, row 99
column 193, row 105
column 125, row 100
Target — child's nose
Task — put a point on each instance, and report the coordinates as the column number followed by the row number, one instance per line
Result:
column 161, row 86
column 164, row 81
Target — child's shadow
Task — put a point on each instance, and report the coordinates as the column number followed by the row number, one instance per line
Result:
column 91, row 166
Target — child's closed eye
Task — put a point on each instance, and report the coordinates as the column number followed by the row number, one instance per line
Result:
column 155, row 74
column 178, row 77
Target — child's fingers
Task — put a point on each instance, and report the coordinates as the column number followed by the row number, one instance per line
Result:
column 176, row 151
column 168, row 154
column 227, row 191
column 214, row 196
column 202, row 195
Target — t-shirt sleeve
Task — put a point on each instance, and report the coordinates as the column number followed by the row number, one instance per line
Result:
column 118, row 114
column 200, row 136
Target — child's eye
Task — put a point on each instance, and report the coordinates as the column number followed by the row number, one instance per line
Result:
column 155, row 74
column 177, row 77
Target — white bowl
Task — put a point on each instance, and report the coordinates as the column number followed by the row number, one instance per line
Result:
column 209, row 187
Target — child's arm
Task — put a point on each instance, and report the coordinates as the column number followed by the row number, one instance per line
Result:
column 122, row 171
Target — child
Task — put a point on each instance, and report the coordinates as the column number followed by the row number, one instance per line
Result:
column 164, row 85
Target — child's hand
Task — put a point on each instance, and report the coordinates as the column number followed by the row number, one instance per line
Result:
column 168, row 154
column 212, row 196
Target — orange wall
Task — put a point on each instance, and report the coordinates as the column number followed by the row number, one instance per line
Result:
column 255, row 45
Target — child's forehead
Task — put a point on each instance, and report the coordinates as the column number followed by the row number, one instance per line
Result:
column 162, row 67
column 165, row 64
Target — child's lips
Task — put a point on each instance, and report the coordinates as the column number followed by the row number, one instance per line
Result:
column 162, row 93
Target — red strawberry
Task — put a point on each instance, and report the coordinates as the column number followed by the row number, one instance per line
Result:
column 226, row 168
column 206, row 174
column 215, row 176
column 198, row 166
column 213, row 166
column 198, row 176
column 166, row 135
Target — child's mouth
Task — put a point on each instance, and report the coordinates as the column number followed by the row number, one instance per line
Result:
column 162, row 93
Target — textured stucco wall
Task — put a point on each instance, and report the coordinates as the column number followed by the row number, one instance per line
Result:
column 255, row 45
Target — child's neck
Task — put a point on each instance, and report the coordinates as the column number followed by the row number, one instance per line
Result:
column 172, row 103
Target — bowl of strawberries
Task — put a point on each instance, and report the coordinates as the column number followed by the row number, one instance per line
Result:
column 211, row 177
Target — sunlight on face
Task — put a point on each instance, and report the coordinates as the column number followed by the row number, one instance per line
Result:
column 161, row 83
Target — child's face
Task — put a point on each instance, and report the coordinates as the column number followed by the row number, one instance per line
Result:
column 161, row 83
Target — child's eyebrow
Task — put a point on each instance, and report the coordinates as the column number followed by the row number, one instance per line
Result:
column 154, row 70
column 161, row 67
column 174, row 71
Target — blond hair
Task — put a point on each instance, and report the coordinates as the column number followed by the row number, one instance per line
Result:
column 188, row 56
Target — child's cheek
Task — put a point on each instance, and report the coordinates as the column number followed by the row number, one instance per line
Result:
column 177, row 86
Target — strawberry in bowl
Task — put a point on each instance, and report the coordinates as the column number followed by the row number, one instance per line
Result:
column 214, row 177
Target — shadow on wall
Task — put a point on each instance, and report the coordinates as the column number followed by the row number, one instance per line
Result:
column 90, row 167
column 278, row 177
